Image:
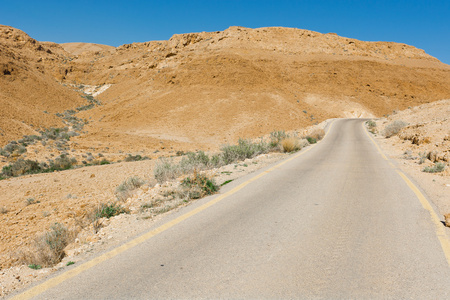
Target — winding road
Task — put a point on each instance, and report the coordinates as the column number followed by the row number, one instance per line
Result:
column 334, row 221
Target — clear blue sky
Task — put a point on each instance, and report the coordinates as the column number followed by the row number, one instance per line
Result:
column 423, row 24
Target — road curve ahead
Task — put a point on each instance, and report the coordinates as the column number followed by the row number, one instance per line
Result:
column 335, row 222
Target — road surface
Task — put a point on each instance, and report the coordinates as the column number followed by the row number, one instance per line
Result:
column 335, row 222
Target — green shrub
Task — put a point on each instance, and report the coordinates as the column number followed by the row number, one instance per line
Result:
column 108, row 210
column 199, row 185
column 394, row 128
column 371, row 124
column 35, row 267
column 436, row 168
column 243, row 150
column 311, row 140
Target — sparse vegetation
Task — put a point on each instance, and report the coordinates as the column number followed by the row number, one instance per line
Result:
column 371, row 125
column 276, row 137
column 394, row 128
column 311, row 140
column 126, row 188
column 63, row 162
column 436, row 168
column 165, row 170
column 136, row 157
column 35, row 267
column 4, row 210
column 108, row 210
column 13, row 148
column 422, row 157
column 70, row 263
column 23, row 167
column 291, row 144
column 243, row 150
column 316, row 134
column 199, row 185
column 30, row 201
column 49, row 247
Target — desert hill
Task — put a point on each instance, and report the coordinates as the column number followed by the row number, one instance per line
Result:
column 202, row 90
column 29, row 94
column 80, row 48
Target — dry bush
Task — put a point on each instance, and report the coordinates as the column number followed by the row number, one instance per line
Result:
column 126, row 188
column 317, row 134
column 291, row 144
column 436, row 168
column 49, row 247
column 394, row 128
column 165, row 170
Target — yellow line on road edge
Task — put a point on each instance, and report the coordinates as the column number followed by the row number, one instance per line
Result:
column 439, row 228
column 39, row 289
column 440, row 231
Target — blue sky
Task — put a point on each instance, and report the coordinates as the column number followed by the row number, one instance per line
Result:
column 423, row 24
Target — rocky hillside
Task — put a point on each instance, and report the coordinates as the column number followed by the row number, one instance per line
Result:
column 202, row 90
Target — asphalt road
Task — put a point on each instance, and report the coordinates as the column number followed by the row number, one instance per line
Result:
column 336, row 222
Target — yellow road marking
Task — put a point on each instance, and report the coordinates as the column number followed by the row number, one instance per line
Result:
column 39, row 289
column 439, row 228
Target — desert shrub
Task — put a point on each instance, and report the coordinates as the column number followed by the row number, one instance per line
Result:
column 136, row 157
column 216, row 161
column 194, row 161
column 85, row 107
column 126, row 188
column 108, row 210
column 243, row 150
column 311, row 140
column 317, row 134
column 291, row 144
column 63, row 162
column 12, row 147
column 199, row 185
column 166, row 170
column 422, row 157
column 55, row 133
column 394, row 128
column 371, row 124
column 21, row 167
column 104, row 210
column 436, row 168
column 50, row 246
column 276, row 137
